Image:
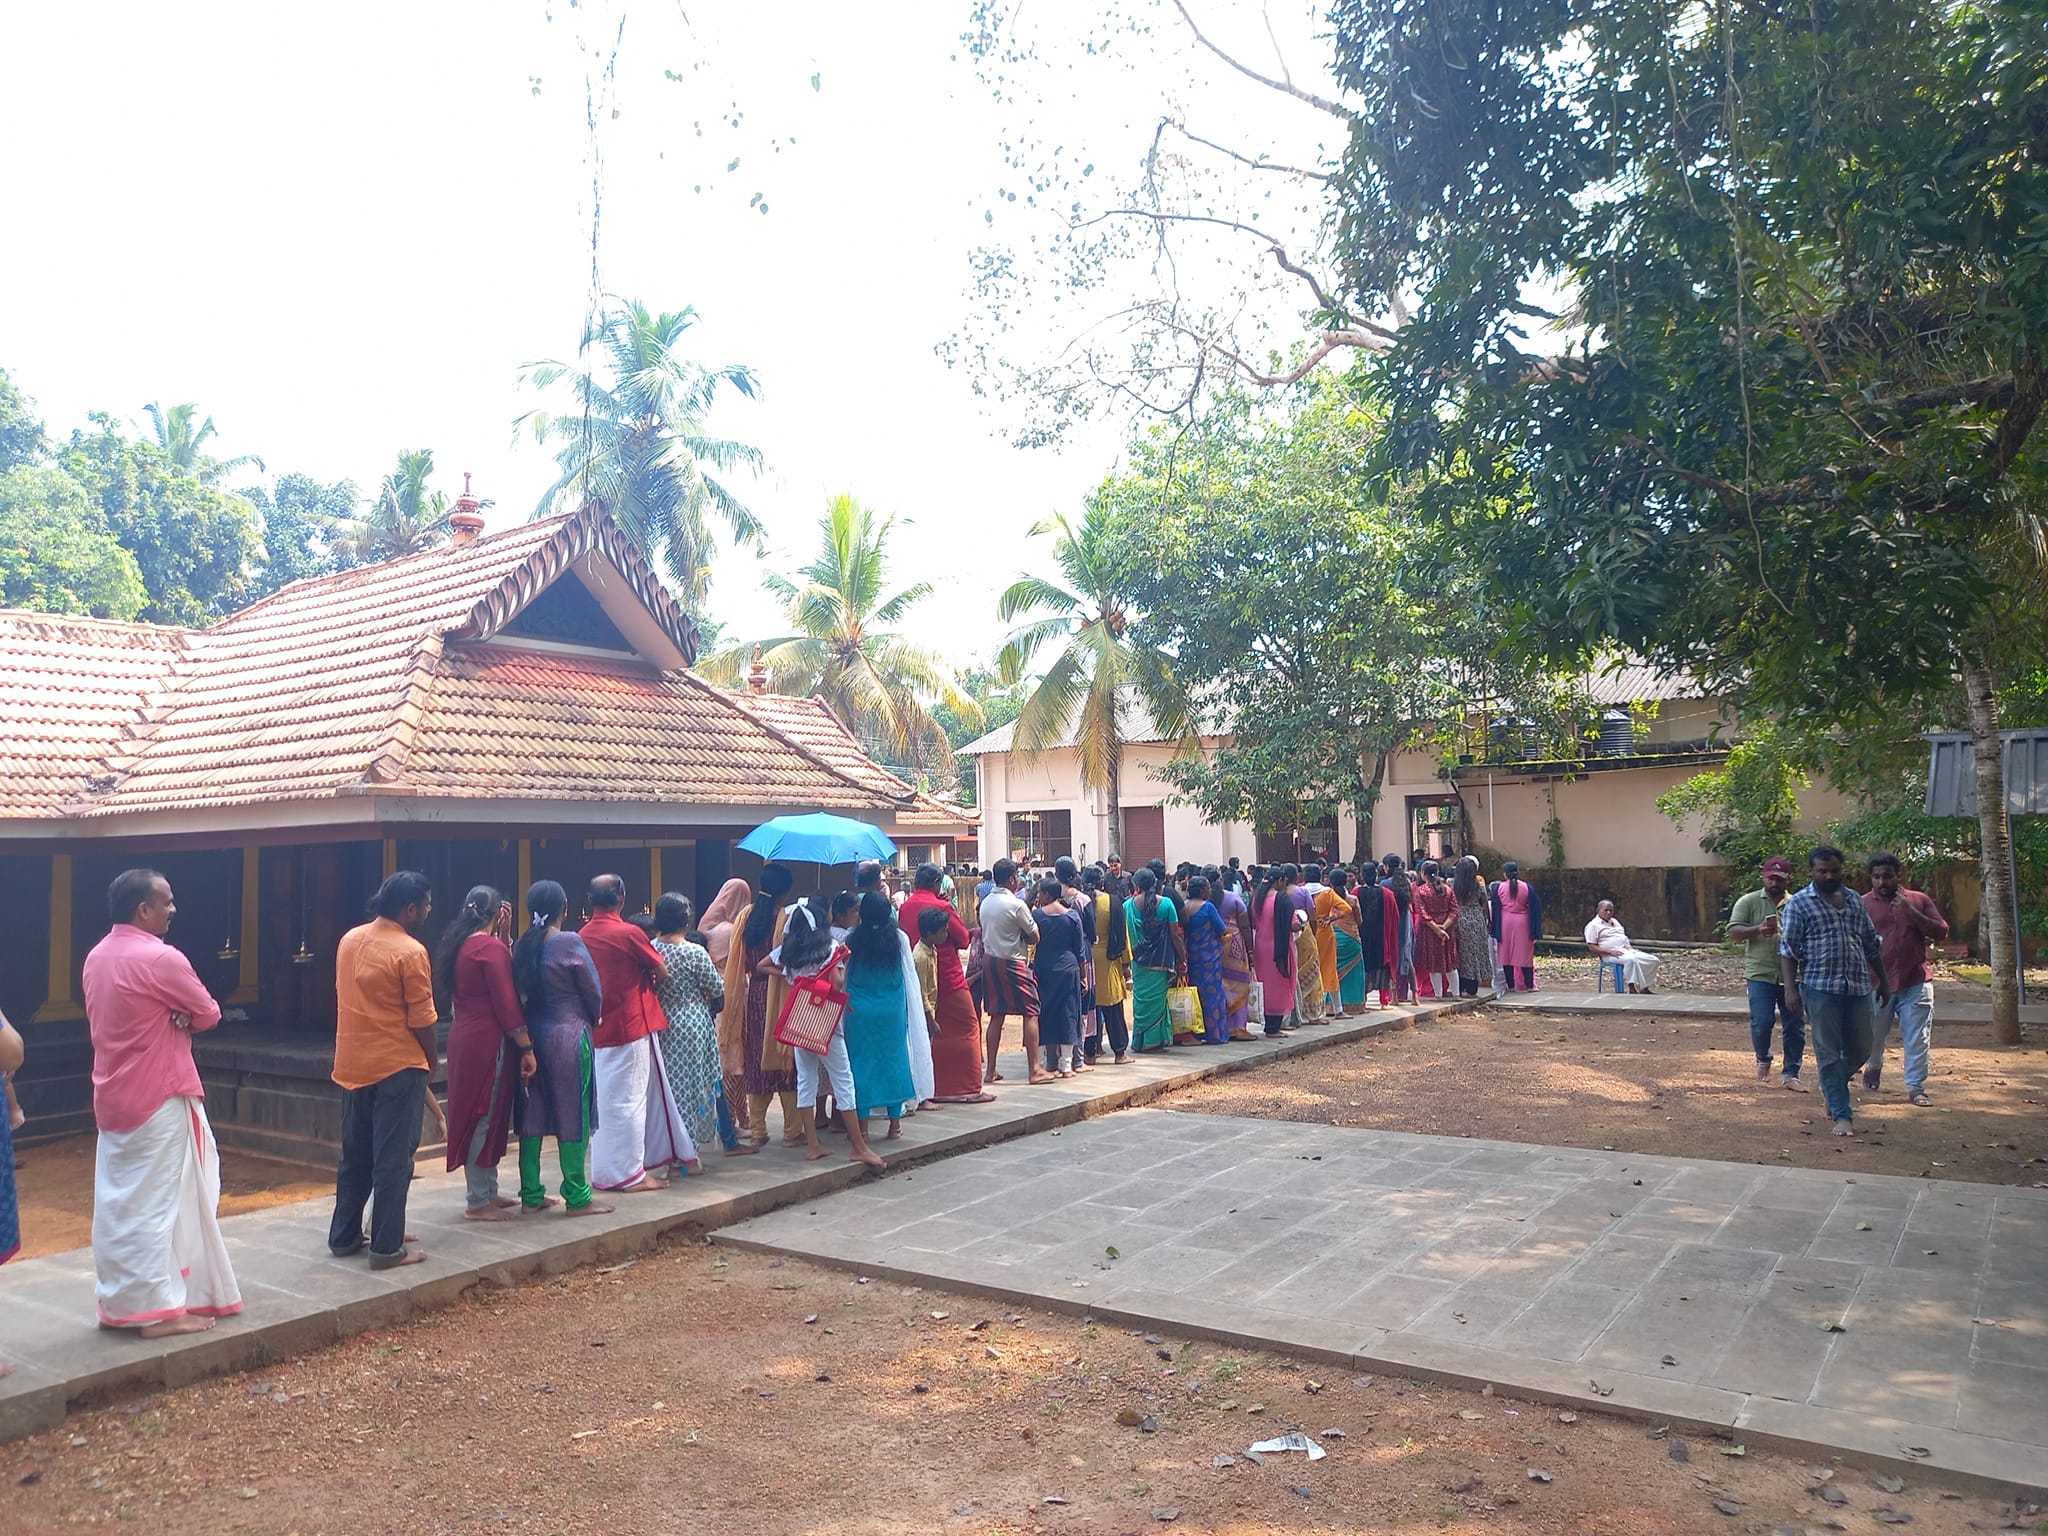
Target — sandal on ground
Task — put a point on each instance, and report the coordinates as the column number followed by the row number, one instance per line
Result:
column 1796, row 1085
column 1919, row 1096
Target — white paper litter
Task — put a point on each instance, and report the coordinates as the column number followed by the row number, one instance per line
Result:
column 1295, row 1441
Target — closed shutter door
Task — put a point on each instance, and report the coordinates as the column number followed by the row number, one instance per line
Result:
column 1144, row 834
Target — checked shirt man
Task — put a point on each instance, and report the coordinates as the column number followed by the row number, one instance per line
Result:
column 1829, row 961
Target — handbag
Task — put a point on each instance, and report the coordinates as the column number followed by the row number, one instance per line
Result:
column 812, row 1014
column 1184, row 1008
column 1255, row 1005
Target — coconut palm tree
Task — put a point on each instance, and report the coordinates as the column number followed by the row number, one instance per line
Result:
column 1084, row 698
column 846, row 650
column 182, row 436
column 634, row 442
column 405, row 517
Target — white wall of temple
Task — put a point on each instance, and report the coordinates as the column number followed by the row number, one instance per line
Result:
column 1008, row 783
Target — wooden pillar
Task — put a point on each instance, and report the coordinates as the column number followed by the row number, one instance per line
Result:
column 59, row 1003
column 247, row 981
column 654, row 886
column 390, row 857
column 525, row 880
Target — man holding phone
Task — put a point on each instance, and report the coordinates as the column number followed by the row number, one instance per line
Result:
column 1755, row 921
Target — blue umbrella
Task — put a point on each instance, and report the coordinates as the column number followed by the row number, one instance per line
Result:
column 818, row 839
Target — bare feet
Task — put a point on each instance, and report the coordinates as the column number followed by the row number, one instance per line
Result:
column 814, row 1153
column 742, row 1149
column 6, row 1367
column 869, row 1156
column 410, row 1256
column 1796, row 1085
column 1042, row 1077
column 792, row 1141
column 993, row 1077
column 505, row 1202
column 491, row 1213
column 547, row 1203
column 595, row 1208
column 646, row 1184
column 895, row 1130
column 171, row 1326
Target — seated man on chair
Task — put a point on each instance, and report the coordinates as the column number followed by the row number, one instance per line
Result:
column 1610, row 945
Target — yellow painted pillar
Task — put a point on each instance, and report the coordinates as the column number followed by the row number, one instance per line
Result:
column 525, row 880
column 390, row 857
column 246, row 983
column 653, row 877
column 59, row 1004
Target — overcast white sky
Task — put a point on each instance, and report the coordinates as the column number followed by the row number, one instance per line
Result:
column 343, row 230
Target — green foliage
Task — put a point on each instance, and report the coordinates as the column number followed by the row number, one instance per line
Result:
column 1101, row 674
column 407, row 516
column 308, row 530
column 1747, row 807
column 21, row 430
column 1553, row 842
column 847, row 648
column 182, row 435
column 1806, row 273
column 56, row 553
column 634, row 441
column 195, row 545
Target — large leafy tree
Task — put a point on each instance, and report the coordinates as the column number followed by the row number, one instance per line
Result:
column 57, row 554
column 634, row 441
column 183, row 434
column 406, row 516
column 196, row 546
column 847, row 645
column 21, row 431
column 1101, row 673
column 308, row 530
column 1784, row 431
column 1329, row 625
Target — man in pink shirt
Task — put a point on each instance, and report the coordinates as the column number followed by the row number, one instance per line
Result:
column 1905, row 921
column 156, row 1245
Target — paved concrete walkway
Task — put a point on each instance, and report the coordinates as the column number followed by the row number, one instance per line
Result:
column 1697, row 1293
column 297, row 1298
column 1716, row 1005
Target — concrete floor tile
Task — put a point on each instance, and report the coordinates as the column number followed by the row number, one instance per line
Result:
column 1619, row 1259
column 1391, row 1301
column 1689, row 1220
column 1721, row 1271
column 1692, row 1331
column 1532, row 1265
column 1564, row 1319
column 1775, row 1231
column 1469, row 1314
column 2006, row 1400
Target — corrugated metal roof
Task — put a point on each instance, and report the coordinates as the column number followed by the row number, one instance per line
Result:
column 1952, row 773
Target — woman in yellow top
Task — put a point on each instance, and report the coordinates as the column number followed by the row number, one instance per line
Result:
column 1112, row 967
column 1337, row 943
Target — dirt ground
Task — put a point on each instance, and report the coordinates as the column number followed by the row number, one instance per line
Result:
column 1644, row 1083
column 54, row 1184
column 696, row 1389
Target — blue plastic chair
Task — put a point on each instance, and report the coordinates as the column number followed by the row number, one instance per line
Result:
column 1601, row 968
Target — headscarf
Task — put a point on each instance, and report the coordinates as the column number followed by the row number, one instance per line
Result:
column 719, row 917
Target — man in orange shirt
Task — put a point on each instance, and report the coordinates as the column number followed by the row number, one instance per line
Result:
column 639, row 1129
column 384, row 1051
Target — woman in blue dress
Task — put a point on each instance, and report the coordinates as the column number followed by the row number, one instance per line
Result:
column 1058, row 961
column 878, row 1004
column 1205, row 931
column 11, row 1053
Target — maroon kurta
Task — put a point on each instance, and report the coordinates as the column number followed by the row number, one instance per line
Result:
column 1435, row 952
column 626, row 967
column 486, row 1015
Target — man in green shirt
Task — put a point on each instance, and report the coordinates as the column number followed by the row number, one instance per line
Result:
column 1755, row 921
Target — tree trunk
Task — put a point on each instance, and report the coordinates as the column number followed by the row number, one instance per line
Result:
column 1112, row 796
column 1994, row 833
column 1361, row 853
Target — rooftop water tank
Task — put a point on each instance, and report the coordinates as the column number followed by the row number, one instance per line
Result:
column 1617, row 733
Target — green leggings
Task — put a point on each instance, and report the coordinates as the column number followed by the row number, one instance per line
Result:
column 573, row 1155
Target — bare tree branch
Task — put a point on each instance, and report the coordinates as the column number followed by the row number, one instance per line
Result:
column 1284, row 87
column 1247, row 160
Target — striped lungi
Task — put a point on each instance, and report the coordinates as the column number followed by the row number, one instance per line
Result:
column 1011, row 988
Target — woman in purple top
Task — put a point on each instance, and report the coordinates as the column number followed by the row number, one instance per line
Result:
column 559, row 991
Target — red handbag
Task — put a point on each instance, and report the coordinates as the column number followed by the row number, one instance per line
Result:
column 812, row 1013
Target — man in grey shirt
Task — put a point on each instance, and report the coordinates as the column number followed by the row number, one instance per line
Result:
column 1008, row 930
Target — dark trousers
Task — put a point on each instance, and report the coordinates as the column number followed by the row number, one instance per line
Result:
column 1116, row 1024
column 380, row 1134
column 1468, row 986
column 1767, row 1007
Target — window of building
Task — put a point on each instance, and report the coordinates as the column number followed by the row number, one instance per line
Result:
column 1045, row 835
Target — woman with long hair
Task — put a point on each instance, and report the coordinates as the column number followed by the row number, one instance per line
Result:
column 1378, row 938
column 489, row 1051
column 1158, row 954
column 1401, row 960
column 1057, row 963
column 753, row 1002
column 1436, row 923
column 1474, row 952
column 1206, row 930
column 878, row 1017
column 1311, row 1004
column 1339, row 911
column 559, row 994
column 1273, row 961
column 1112, row 957
column 1238, row 939
column 1517, row 913
column 808, row 950
column 691, row 996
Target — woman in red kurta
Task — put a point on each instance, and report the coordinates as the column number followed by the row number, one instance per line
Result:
column 1436, row 933
column 956, row 1049
column 489, row 1051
